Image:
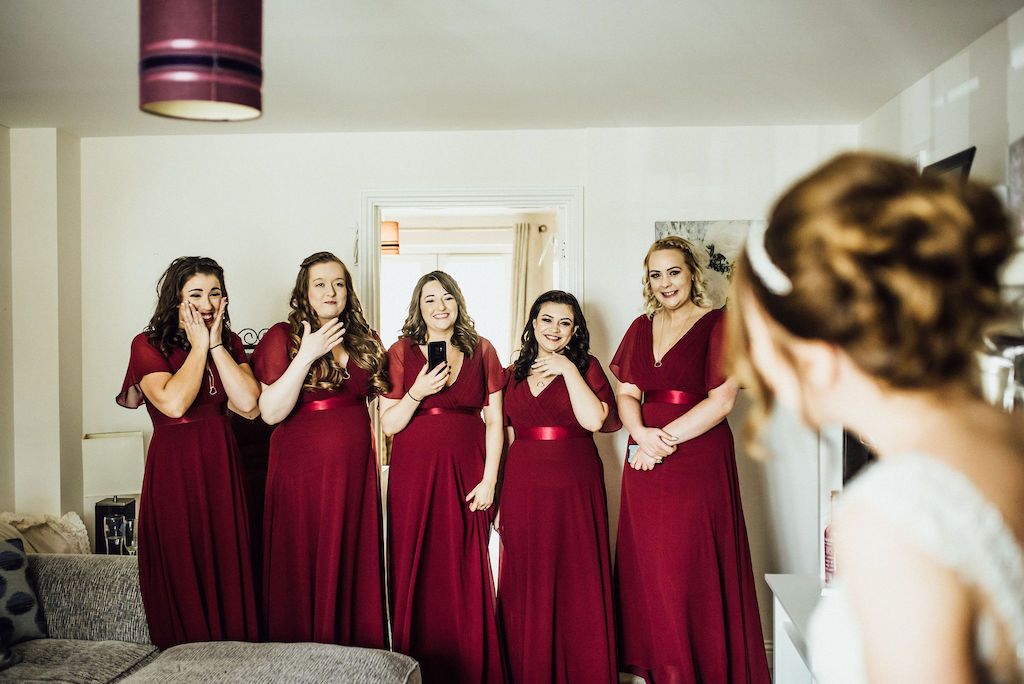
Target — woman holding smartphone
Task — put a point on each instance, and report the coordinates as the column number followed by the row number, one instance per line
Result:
column 323, row 570
column 555, row 584
column 685, row 583
column 444, row 466
column 195, row 571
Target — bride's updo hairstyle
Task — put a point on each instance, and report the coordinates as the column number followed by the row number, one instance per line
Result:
column 897, row 269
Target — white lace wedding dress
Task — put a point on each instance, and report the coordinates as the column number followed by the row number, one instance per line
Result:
column 944, row 515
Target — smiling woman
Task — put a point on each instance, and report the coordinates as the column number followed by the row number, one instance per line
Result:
column 194, row 568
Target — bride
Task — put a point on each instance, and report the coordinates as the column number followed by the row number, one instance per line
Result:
column 862, row 303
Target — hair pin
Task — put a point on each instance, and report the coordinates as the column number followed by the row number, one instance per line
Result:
column 761, row 263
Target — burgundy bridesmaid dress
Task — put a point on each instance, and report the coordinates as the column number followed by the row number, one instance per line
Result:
column 323, row 564
column 688, row 611
column 555, row 579
column 442, row 592
column 195, row 567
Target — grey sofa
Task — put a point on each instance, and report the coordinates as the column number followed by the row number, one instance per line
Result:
column 98, row 634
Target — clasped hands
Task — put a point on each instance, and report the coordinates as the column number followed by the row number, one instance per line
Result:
column 654, row 445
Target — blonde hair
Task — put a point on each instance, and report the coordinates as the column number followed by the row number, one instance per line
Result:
column 695, row 260
column 896, row 269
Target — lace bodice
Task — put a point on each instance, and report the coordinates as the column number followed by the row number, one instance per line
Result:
column 945, row 516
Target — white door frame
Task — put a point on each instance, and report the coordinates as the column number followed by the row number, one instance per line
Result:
column 566, row 202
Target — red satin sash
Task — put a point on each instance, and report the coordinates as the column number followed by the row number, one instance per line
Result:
column 550, row 433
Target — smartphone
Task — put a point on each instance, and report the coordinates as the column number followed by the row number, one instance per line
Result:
column 631, row 452
column 437, row 353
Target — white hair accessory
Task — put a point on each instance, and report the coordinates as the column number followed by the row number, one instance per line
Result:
column 761, row 263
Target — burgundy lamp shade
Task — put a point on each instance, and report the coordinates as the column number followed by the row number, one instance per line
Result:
column 201, row 59
column 389, row 237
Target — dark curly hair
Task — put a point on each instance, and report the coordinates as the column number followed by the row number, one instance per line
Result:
column 578, row 349
column 163, row 329
column 898, row 270
column 363, row 344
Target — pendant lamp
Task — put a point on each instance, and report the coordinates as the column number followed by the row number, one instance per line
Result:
column 201, row 59
column 389, row 237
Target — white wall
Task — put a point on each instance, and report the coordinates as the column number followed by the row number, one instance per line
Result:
column 46, row 353
column 6, row 330
column 69, row 319
column 259, row 204
column 974, row 98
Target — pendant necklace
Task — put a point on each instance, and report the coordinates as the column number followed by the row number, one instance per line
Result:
column 213, row 389
column 661, row 335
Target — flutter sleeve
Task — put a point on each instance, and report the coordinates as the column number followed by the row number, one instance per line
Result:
column 270, row 358
column 623, row 363
column 396, row 370
column 237, row 349
column 598, row 382
column 494, row 372
column 715, row 369
column 145, row 359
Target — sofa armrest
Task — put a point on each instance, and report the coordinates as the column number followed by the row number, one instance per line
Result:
column 92, row 597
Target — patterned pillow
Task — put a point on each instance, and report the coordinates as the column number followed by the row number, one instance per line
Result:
column 21, row 617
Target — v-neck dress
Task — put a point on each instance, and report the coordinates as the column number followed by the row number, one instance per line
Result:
column 555, row 579
column 323, row 554
column 685, row 586
column 195, row 564
column 442, row 591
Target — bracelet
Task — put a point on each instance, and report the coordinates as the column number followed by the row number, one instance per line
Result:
column 409, row 393
column 219, row 344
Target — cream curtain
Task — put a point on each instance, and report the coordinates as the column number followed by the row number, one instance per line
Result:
column 520, row 277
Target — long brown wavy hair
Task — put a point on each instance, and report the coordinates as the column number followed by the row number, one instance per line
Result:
column 464, row 337
column 360, row 341
column 898, row 270
column 163, row 329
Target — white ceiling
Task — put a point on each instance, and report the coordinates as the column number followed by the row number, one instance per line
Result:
column 335, row 65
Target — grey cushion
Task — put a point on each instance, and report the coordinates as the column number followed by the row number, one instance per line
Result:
column 92, row 597
column 234, row 661
column 20, row 616
column 77, row 662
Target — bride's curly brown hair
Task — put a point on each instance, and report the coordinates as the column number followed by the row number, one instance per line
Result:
column 360, row 341
column 898, row 270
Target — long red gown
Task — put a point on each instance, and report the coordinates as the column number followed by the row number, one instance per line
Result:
column 323, row 564
column 442, row 592
column 195, row 565
column 685, row 586
column 555, row 579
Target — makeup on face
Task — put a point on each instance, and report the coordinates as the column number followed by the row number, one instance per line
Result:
column 438, row 307
column 670, row 278
column 553, row 327
column 204, row 292
column 327, row 291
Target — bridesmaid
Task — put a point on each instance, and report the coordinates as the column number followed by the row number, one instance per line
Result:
column 323, row 566
column 555, row 583
column 685, row 585
column 195, row 570
column 444, row 465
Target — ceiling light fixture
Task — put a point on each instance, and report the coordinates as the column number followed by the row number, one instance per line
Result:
column 201, row 59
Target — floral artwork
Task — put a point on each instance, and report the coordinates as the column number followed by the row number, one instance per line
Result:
column 722, row 241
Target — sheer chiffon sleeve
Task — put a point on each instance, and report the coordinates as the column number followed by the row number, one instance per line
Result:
column 270, row 358
column 396, row 369
column 237, row 349
column 145, row 359
column 715, row 365
column 622, row 364
column 598, row 382
column 494, row 372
